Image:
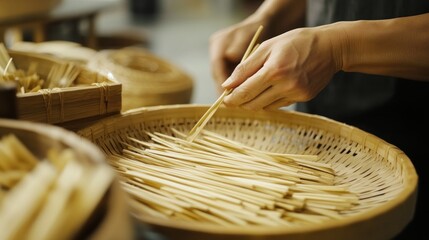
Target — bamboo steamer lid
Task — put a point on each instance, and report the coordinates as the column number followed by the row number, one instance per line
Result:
column 147, row 79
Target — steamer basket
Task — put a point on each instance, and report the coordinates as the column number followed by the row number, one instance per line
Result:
column 92, row 95
column 110, row 219
column 147, row 80
column 381, row 174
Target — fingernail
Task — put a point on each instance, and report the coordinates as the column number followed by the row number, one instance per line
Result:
column 226, row 83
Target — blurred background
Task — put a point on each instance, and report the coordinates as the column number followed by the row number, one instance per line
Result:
column 175, row 30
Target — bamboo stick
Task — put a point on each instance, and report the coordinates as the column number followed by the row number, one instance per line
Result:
column 210, row 112
column 224, row 182
column 63, row 190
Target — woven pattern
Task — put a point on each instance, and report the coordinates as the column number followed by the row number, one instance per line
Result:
column 147, row 80
column 381, row 174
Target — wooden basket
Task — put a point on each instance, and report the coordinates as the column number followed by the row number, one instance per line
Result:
column 93, row 94
column 110, row 219
column 381, row 174
column 147, row 80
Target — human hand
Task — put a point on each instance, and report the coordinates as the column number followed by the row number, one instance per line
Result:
column 292, row 67
column 227, row 47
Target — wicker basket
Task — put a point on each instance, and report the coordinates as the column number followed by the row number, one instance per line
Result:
column 110, row 219
column 147, row 80
column 93, row 94
column 381, row 174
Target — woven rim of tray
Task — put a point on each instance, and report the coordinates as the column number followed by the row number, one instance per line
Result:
column 359, row 157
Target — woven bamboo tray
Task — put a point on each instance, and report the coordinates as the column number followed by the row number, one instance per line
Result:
column 93, row 94
column 110, row 219
column 381, row 174
column 147, row 80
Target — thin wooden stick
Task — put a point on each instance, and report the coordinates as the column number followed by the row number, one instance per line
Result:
column 217, row 180
column 211, row 111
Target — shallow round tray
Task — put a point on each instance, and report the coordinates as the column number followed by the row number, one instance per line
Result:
column 380, row 173
column 110, row 219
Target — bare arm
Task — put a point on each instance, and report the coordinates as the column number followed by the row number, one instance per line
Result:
column 297, row 65
column 396, row 47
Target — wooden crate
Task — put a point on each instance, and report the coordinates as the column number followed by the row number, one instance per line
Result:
column 93, row 94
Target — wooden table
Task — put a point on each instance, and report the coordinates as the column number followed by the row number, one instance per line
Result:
column 71, row 11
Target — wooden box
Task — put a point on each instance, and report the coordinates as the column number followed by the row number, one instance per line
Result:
column 92, row 95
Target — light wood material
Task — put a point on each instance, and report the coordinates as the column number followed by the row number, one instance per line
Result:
column 91, row 94
column 98, row 212
column 380, row 174
column 147, row 79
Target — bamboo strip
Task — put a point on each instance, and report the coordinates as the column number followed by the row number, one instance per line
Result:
column 210, row 112
column 15, row 206
column 228, row 181
column 141, row 209
column 49, row 217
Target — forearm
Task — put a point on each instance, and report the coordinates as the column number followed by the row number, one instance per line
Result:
column 282, row 15
column 395, row 47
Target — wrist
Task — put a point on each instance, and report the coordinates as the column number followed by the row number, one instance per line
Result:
column 337, row 36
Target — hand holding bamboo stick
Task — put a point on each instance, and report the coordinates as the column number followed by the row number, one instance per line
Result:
column 211, row 111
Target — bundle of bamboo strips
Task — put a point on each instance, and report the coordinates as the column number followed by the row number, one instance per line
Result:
column 216, row 180
column 64, row 192
column 62, row 75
